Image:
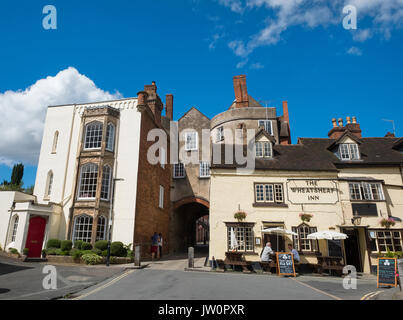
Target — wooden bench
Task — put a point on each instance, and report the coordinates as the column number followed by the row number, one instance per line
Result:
column 268, row 266
column 237, row 259
column 330, row 264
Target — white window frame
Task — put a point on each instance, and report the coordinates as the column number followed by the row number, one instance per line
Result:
column 161, row 197
column 366, row 191
column 181, row 169
column 110, row 137
column 88, row 223
column 99, row 137
column 94, row 165
column 15, row 228
column 189, row 147
column 204, row 169
column 269, row 193
column 244, row 236
column 265, row 122
column 349, row 151
column 261, row 151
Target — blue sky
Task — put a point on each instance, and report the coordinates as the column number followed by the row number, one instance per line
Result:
column 192, row 48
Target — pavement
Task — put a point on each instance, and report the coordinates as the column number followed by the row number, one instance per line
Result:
column 24, row 281
column 168, row 280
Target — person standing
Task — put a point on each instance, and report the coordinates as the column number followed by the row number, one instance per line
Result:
column 154, row 246
column 160, row 243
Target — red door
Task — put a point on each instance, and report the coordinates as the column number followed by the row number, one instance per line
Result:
column 36, row 233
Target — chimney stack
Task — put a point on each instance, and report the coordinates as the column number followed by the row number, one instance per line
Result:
column 154, row 101
column 337, row 131
column 169, row 102
column 285, row 134
column 241, row 92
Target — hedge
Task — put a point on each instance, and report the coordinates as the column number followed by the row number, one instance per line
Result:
column 53, row 243
column 66, row 245
column 86, row 246
column 118, row 250
column 101, row 245
column 77, row 244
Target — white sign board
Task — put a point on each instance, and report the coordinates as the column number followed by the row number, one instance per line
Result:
column 311, row 191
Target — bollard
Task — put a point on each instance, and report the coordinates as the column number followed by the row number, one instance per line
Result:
column 191, row 257
column 137, row 259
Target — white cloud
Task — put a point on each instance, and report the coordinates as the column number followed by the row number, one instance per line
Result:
column 362, row 35
column 256, row 66
column 384, row 16
column 23, row 112
column 354, row 51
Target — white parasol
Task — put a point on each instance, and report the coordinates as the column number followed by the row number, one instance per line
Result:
column 327, row 235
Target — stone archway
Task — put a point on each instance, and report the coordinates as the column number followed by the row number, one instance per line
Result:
column 183, row 223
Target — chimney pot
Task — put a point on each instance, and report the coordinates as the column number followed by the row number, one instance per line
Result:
column 348, row 120
column 334, row 122
column 340, row 122
column 354, row 120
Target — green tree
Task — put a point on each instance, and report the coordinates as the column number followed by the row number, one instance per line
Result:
column 17, row 174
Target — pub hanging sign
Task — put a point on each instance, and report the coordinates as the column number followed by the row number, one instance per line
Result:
column 312, row 191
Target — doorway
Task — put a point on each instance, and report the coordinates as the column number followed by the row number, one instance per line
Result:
column 352, row 249
column 36, row 233
column 274, row 239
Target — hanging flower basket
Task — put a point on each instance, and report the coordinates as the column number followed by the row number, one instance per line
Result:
column 240, row 215
column 387, row 222
column 306, row 217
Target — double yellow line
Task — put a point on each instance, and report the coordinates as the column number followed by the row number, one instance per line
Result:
column 105, row 285
column 371, row 295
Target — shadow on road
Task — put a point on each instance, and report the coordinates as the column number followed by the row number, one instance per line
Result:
column 9, row 268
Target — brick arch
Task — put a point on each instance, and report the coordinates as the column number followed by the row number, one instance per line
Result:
column 188, row 200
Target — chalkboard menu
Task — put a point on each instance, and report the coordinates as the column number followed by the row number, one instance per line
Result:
column 285, row 263
column 387, row 272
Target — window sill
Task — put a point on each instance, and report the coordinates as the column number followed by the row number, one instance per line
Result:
column 308, row 253
column 46, row 199
column 366, row 201
column 267, row 204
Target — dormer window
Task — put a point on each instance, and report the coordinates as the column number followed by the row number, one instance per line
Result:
column 264, row 150
column 349, row 151
column 267, row 125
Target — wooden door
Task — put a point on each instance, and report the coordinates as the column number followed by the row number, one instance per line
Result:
column 36, row 233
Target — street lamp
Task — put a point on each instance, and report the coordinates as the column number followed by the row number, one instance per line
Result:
column 108, row 235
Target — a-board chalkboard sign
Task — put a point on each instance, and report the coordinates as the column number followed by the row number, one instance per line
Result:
column 387, row 272
column 285, row 263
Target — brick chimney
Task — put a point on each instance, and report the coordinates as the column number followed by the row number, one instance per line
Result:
column 241, row 92
column 154, row 101
column 285, row 126
column 169, row 102
column 338, row 130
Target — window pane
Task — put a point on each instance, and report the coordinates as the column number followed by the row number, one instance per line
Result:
column 106, row 183
column 278, row 192
column 110, row 137
column 191, row 141
column 93, row 135
column 179, row 170
column 259, row 151
column 269, row 192
column 259, row 192
column 344, row 152
column 101, row 227
column 83, row 228
column 88, row 181
column 354, row 151
column 355, row 191
column 204, row 169
column 268, row 149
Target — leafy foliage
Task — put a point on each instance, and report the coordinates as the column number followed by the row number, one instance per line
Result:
column 91, row 258
column 53, row 243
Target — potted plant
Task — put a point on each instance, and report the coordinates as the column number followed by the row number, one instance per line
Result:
column 24, row 254
column 387, row 222
column 306, row 217
column 240, row 215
